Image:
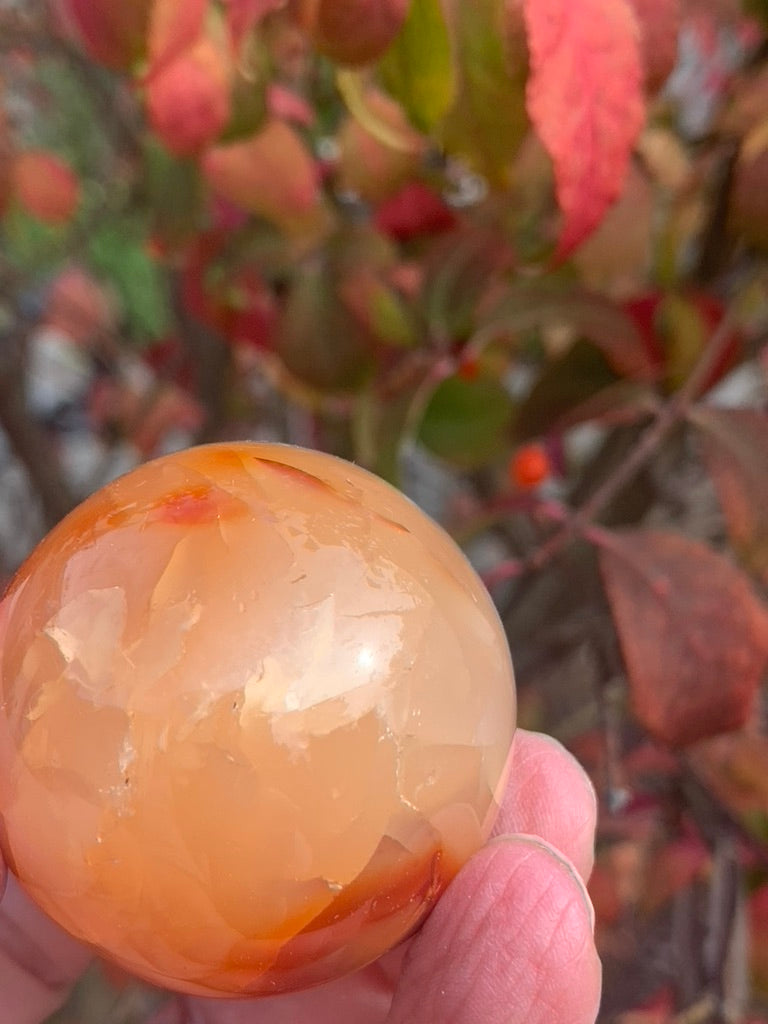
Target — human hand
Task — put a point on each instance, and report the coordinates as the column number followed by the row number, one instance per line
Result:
column 510, row 941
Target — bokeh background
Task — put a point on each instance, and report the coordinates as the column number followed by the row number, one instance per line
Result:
column 512, row 256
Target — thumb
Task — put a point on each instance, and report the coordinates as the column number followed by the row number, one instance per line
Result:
column 509, row 943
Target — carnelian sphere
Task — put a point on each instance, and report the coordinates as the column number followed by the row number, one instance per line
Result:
column 256, row 712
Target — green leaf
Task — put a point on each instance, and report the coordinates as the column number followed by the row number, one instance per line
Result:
column 489, row 120
column 418, row 69
column 174, row 191
column 757, row 8
column 464, row 265
column 31, row 246
column 379, row 428
column 466, row 422
column 117, row 251
column 319, row 340
column 685, row 333
column 391, row 319
column 249, row 92
column 378, row 308
column 582, row 373
column 67, row 122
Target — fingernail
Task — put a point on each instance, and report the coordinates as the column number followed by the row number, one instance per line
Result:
column 555, row 854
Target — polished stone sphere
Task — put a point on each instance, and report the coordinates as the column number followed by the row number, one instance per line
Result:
column 255, row 713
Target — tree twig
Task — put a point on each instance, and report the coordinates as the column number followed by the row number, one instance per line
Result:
column 669, row 415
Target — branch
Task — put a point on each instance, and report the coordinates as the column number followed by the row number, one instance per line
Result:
column 669, row 415
column 31, row 446
column 211, row 359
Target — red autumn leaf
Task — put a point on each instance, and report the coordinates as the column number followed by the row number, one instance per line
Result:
column 272, row 174
column 693, row 633
column 244, row 14
column 659, row 22
column 674, row 867
column 414, row 211
column 188, row 99
column 46, row 186
column 584, row 98
column 174, row 27
column 734, row 768
column 675, row 327
column 197, row 296
column 171, row 360
column 111, row 33
column 734, row 444
column 604, row 894
column 643, row 310
column 353, row 32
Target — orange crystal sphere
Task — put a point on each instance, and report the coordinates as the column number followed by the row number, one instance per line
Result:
column 256, row 712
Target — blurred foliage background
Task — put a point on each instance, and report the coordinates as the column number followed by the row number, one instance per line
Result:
column 512, row 256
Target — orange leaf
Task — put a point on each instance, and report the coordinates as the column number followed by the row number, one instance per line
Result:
column 188, row 99
column 734, row 769
column 45, row 186
column 367, row 163
column 585, row 101
column 271, row 174
column 175, row 25
column 693, row 633
column 675, row 866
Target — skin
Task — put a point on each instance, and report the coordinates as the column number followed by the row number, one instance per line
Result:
column 510, row 942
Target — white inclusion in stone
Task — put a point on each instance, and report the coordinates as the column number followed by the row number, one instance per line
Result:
column 88, row 631
column 326, row 678
column 366, row 659
column 126, row 756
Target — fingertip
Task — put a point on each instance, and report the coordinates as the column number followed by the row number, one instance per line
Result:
column 550, row 795
column 509, row 942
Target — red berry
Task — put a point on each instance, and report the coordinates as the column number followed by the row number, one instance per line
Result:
column 469, row 367
column 529, row 466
